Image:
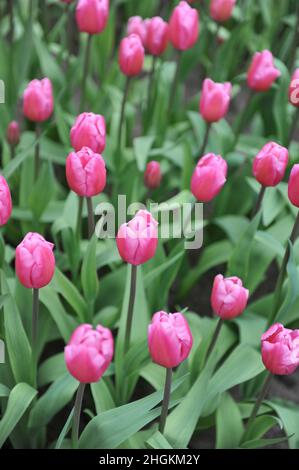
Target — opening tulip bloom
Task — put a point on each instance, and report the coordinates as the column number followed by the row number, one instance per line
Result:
column 209, row 177
column 138, row 26
column 137, row 240
column 262, row 72
column 157, row 36
column 131, row 55
column 169, row 339
column 86, row 172
column 183, row 26
column 89, row 353
column 270, row 164
column 221, row 10
column 280, row 349
column 35, row 261
column 294, row 89
column 214, row 100
column 152, row 175
column 229, row 297
column 293, row 186
column 13, row 133
column 38, row 101
column 89, row 130
column 92, row 15
column 5, row 201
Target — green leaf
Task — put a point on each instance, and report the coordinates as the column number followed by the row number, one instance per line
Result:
column 39, row 198
column 102, row 397
column 65, row 430
column 89, row 277
column 261, row 425
column 67, row 289
column 259, row 443
column 293, row 292
column 4, row 391
column 51, row 369
column 289, row 414
column 158, row 441
column 229, row 425
column 142, row 146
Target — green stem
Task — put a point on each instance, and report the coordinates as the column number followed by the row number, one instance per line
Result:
column 37, row 151
column 151, row 81
column 214, row 338
column 295, row 41
column 174, row 83
column 79, row 217
column 35, row 314
column 166, row 398
column 259, row 201
column 122, row 114
column 205, row 140
column 12, row 151
column 91, row 225
column 77, row 413
column 11, row 22
column 241, row 121
column 85, row 73
column 130, row 308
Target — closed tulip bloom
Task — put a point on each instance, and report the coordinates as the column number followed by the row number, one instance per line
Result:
column 208, row 177
column 262, row 72
column 270, row 164
column 229, row 297
column 214, row 100
column 131, row 55
column 157, row 36
column 92, row 15
column 5, row 201
column 13, row 133
column 137, row 240
column 138, row 26
column 169, row 339
column 89, row 353
column 294, row 89
column 293, row 186
column 35, row 262
column 280, row 349
column 221, row 10
column 38, row 101
column 152, row 175
column 86, row 172
column 89, row 130
column 183, row 26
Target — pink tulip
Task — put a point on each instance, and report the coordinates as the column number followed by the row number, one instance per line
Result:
column 152, row 175
column 209, row 177
column 89, row 130
column 89, row 353
column 262, row 72
column 169, row 339
column 280, row 349
column 294, row 89
column 221, row 10
column 13, row 133
column 137, row 240
column 131, row 55
column 183, row 26
column 229, row 297
column 92, row 15
column 35, row 262
column 214, row 100
column 138, row 26
column 86, row 172
column 38, row 103
column 157, row 36
column 270, row 164
column 5, row 201
column 293, row 186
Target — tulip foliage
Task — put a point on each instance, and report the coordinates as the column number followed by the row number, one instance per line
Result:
column 113, row 334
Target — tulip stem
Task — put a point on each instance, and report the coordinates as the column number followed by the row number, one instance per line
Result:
column 293, row 126
column 85, row 73
column 214, row 338
column 282, row 273
column 256, row 407
column 90, row 217
column 35, row 314
column 241, row 121
column 175, row 82
column 166, row 398
column 259, row 201
column 295, row 41
column 79, row 216
column 122, row 115
column 77, row 413
column 37, row 151
column 151, row 81
column 130, row 307
column 12, row 151
column 11, row 22
column 205, row 139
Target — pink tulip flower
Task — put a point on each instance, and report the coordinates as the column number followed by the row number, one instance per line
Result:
column 270, row 164
column 229, row 297
column 183, row 26
column 138, row 26
column 13, row 133
column 280, row 349
column 89, row 130
column 89, row 353
column 38, row 103
column 157, row 36
column 35, row 261
column 92, row 15
column 208, row 177
column 294, row 89
column 293, row 186
column 131, row 55
column 221, row 10
column 152, row 175
column 214, row 100
column 5, row 201
column 262, row 72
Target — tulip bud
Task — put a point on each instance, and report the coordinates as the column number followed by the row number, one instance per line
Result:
column 229, row 297
column 270, row 164
column 92, row 15
column 262, row 72
column 13, row 133
column 209, row 177
column 280, row 349
column 89, row 353
column 89, row 130
column 138, row 26
column 35, row 262
column 214, row 100
column 5, row 201
column 169, row 339
column 293, row 186
column 221, row 10
column 131, row 55
column 86, row 172
column 157, row 36
column 152, row 175
column 137, row 240
column 38, row 101
column 294, row 89
column 183, row 26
